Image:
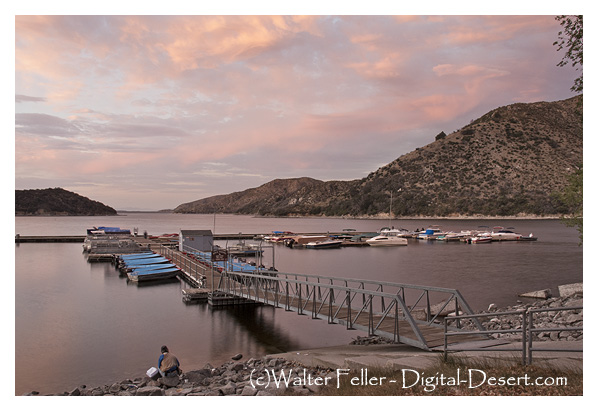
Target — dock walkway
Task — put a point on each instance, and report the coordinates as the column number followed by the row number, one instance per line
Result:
column 395, row 311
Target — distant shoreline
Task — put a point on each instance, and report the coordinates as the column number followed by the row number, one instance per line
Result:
column 362, row 217
column 377, row 217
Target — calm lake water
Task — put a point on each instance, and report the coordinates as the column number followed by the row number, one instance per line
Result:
column 80, row 323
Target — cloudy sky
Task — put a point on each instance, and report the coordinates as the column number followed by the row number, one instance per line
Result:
column 148, row 112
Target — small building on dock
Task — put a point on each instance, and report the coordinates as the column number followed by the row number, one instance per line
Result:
column 195, row 240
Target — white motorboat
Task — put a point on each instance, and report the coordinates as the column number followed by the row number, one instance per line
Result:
column 393, row 232
column 324, row 244
column 481, row 238
column 384, row 240
column 504, row 234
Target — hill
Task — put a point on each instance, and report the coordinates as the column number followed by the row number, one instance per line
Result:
column 511, row 161
column 58, row 201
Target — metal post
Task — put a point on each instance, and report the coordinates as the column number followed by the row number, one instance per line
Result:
column 363, row 294
column 457, row 313
column 349, row 321
column 314, row 303
column 530, row 327
column 524, row 331
column 445, row 341
column 396, row 324
column 370, row 320
column 331, row 305
column 299, row 302
column 428, row 307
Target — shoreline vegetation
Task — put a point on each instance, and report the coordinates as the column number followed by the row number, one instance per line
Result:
column 361, row 217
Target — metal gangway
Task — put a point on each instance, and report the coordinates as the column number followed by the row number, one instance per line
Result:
column 400, row 312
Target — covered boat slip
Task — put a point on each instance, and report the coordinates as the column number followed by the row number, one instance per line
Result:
column 138, row 255
column 144, row 262
column 153, row 274
column 147, row 268
column 130, row 258
column 125, row 262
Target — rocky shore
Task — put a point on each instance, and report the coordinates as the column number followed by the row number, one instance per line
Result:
column 542, row 320
column 250, row 378
column 255, row 377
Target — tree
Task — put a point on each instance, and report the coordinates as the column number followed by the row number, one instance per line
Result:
column 572, row 198
column 570, row 39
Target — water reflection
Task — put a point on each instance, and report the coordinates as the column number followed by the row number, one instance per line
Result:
column 77, row 322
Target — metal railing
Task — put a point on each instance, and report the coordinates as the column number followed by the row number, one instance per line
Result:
column 526, row 332
column 196, row 272
column 532, row 329
column 397, row 311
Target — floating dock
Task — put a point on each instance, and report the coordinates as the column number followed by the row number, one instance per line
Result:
column 218, row 298
column 195, row 294
column 49, row 239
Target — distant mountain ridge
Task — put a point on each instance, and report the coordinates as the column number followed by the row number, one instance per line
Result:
column 58, row 201
column 509, row 162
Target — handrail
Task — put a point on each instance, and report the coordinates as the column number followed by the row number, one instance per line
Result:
column 401, row 289
column 297, row 299
column 194, row 270
column 526, row 330
column 532, row 330
column 488, row 332
column 319, row 294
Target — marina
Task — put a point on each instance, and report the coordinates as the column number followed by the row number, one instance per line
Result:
column 103, row 313
column 223, row 276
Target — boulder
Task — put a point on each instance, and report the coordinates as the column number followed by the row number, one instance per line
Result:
column 539, row 294
column 198, row 376
column 170, row 381
column 149, row 391
column 248, row 391
column 569, row 290
column 229, row 389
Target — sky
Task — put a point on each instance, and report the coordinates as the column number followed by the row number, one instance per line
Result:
column 145, row 112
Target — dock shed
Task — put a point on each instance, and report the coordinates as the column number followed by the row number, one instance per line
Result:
column 195, row 240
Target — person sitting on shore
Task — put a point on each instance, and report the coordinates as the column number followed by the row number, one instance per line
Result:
column 168, row 364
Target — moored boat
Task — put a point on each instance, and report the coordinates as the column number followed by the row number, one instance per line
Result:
column 324, row 244
column 394, row 232
column 153, row 274
column 504, row 234
column 483, row 238
column 154, row 266
column 430, row 233
column 124, row 266
column 305, row 239
column 530, row 237
column 243, row 250
column 384, row 240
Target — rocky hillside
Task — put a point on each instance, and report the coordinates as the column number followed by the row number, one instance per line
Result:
column 511, row 161
column 279, row 197
column 58, row 201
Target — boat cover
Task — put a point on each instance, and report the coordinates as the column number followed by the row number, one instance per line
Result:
column 146, row 268
column 144, row 262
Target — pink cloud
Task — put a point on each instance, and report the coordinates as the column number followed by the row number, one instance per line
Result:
column 126, row 94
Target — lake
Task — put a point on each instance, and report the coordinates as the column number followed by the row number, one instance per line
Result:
column 81, row 323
